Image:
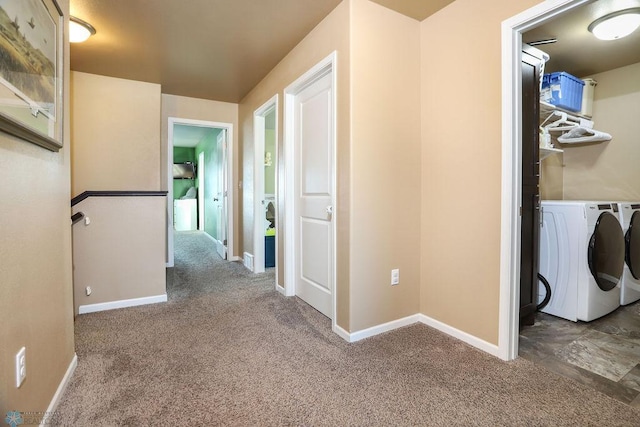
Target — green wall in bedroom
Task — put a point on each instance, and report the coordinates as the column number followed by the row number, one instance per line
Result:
column 181, row 155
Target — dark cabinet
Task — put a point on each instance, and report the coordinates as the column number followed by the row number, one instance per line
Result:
column 532, row 60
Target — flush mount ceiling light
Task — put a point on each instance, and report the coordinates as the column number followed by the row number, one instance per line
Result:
column 79, row 30
column 616, row 25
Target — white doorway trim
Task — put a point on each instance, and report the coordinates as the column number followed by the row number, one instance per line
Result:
column 200, row 174
column 512, row 30
column 230, row 197
column 324, row 67
column 259, row 180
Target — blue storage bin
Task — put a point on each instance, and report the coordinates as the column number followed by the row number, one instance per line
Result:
column 562, row 90
column 269, row 251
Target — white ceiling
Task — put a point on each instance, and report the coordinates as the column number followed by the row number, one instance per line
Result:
column 211, row 49
column 577, row 51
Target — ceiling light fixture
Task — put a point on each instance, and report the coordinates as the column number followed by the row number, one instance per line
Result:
column 616, row 25
column 79, row 30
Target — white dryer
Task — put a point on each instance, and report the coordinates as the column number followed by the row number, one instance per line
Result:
column 582, row 257
column 630, row 222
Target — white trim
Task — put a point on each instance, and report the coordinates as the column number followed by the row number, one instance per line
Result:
column 53, row 405
column 201, row 196
column 112, row 305
column 418, row 318
column 461, row 335
column 289, row 211
column 233, row 258
column 278, row 287
column 327, row 65
column 512, row 30
column 258, row 178
column 379, row 329
column 338, row 330
column 213, row 239
column 231, row 184
column 248, row 261
column 218, row 244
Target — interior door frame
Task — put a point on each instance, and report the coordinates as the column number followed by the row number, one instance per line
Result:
column 200, row 173
column 172, row 121
column 512, row 30
column 322, row 68
column 258, row 181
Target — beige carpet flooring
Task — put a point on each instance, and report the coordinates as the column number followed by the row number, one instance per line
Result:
column 227, row 349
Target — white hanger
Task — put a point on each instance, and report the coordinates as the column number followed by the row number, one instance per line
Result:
column 581, row 134
column 564, row 123
column 575, row 130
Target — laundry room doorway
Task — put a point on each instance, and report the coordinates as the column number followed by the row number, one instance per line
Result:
column 602, row 350
column 512, row 157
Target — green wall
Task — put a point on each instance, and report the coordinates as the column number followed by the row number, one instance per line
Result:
column 181, row 155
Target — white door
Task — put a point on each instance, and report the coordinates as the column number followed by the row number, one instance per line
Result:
column 313, row 130
column 201, row 191
column 221, row 193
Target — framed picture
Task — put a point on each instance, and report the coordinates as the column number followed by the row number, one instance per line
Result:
column 31, row 71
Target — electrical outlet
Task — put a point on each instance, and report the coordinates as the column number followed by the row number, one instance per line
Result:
column 395, row 276
column 21, row 366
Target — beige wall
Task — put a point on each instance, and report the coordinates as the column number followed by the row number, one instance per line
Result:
column 385, row 164
column 461, row 163
column 332, row 34
column 120, row 256
column 609, row 170
column 36, row 299
column 551, row 177
column 201, row 109
column 115, row 134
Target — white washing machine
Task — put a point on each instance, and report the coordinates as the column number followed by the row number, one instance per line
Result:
column 582, row 253
column 630, row 222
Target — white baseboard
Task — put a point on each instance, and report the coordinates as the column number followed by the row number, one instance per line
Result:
column 378, row 329
column 342, row 333
column 217, row 242
column 281, row 289
column 111, row 305
column 210, row 236
column 248, row 261
column 461, row 335
column 60, row 390
column 418, row 318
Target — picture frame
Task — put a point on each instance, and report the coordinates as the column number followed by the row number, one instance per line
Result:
column 32, row 71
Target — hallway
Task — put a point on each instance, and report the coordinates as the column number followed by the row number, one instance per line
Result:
column 227, row 349
column 199, row 270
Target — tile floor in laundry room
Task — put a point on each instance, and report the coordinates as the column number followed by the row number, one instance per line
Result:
column 603, row 354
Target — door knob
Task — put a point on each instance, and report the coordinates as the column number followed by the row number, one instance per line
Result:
column 330, row 210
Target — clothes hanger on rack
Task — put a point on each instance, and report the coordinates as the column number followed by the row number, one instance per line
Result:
column 582, row 134
column 575, row 130
column 565, row 122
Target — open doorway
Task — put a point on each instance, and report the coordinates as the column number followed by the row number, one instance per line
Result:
column 265, row 194
column 199, row 172
column 599, row 350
